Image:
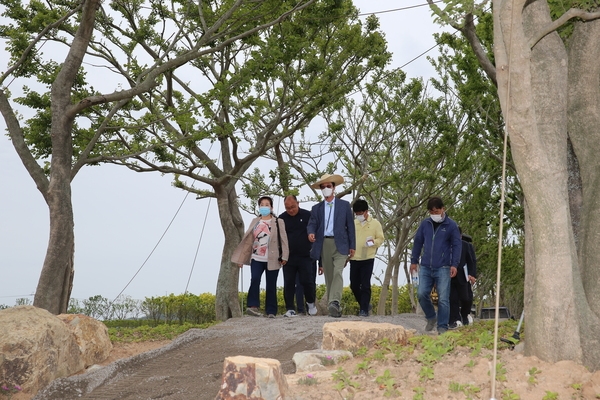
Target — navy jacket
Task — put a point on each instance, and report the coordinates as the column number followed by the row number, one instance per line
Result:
column 440, row 248
column 344, row 233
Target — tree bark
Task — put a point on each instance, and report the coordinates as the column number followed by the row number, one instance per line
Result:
column 227, row 299
column 584, row 117
column 533, row 87
column 56, row 279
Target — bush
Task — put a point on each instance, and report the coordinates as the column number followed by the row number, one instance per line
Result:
column 200, row 309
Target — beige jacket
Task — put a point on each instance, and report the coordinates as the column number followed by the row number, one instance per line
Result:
column 243, row 252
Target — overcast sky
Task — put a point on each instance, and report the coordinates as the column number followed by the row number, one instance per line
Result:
column 120, row 215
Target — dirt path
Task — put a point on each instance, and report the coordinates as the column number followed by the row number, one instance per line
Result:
column 190, row 367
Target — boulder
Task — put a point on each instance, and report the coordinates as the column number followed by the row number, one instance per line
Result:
column 36, row 348
column 352, row 335
column 317, row 360
column 91, row 337
column 253, row 378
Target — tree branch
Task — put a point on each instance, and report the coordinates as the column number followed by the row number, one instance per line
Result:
column 554, row 25
column 16, row 134
column 154, row 72
column 35, row 41
column 469, row 32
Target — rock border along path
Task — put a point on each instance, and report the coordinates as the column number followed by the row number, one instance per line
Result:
column 191, row 366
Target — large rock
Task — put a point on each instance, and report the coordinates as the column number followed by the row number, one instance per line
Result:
column 36, row 348
column 352, row 335
column 91, row 337
column 253, row 378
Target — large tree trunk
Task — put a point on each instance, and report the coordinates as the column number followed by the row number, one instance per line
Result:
column 532, row 87
column 584, row 119
column 227, row 299
column 56, row 280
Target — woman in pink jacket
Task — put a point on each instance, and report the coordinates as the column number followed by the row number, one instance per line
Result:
column 265, row 248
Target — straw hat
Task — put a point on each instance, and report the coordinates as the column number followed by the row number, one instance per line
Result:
column 327, row 178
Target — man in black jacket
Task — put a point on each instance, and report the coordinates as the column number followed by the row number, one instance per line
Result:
column 299, row 262
column 461, row 293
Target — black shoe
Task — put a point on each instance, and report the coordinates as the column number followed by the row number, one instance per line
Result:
column 363, row 313
column 431, row 323
column 334, row 309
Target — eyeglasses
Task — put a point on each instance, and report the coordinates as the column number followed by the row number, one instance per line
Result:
column 326, row 185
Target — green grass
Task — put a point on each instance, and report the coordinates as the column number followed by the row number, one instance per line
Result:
column 148, row 333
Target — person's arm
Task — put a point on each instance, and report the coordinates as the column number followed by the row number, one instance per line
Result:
column 456, row 243
column 417, row 247
column 471, row 263
column 313, row 222
column 351, row 230
column 285, row 249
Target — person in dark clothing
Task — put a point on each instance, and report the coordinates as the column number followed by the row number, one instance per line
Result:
column 300, row 298
column 461, row 293
column 436, row 254
column 299, row 262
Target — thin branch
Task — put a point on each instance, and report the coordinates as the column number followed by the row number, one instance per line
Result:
column 554, row 25
column 35, row 42
column 470, row 34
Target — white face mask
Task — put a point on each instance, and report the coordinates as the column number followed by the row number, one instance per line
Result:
column 360, row 218
column 327, row 192
column 437, row 217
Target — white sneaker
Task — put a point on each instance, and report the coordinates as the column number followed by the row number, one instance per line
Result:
column 290, row 313
column 312, row 309
column 470, row 319
column 455, row 325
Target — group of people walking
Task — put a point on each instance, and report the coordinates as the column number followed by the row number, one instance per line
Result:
column 333, row 233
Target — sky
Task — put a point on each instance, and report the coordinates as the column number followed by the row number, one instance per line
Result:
column 135, row 234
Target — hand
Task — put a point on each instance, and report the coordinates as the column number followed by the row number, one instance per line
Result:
column 452, row 272
column 240, row 265
column 413, row 267
column 320, row 270
column 472, row 279
column 311, row 237
column 283, row 262
column 351, row 253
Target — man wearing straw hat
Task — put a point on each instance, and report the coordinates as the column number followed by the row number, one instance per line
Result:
column 331, row 231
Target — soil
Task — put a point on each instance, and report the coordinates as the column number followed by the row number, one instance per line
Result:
column 190, row 367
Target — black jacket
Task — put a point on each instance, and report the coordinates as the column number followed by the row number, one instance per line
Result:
column 467, row 257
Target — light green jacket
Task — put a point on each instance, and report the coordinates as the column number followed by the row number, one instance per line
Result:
column 371, row 228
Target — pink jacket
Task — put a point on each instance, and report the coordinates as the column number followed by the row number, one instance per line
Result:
column 243, row 252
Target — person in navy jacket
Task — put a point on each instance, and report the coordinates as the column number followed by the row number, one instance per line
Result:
column 332, row 234
column 436, row 254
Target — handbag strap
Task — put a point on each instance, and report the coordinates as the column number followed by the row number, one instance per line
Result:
column 278, row 238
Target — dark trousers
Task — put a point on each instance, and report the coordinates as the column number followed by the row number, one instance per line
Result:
column 256, row 270
column 300, row 289
column 461, row 300
column 360, row 282
column 302, row 268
